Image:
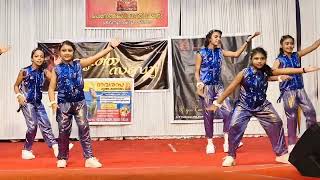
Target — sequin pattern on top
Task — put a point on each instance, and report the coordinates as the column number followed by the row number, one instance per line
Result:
column 253, row 88
column 69, row 82
column 32, row 84
column 210, row 70
column 291, row 62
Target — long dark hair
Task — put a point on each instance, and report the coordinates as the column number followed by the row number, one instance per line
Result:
column 69, row 43
column 208, row 36
column 281, row 41
column 266, row 68
column 34, row 51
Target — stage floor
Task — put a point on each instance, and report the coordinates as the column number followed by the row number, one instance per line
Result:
column 148, row 159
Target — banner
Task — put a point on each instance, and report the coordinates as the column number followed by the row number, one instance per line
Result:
column 109, row 100
column 186, row 101
column 145, row 62
column 115, row 14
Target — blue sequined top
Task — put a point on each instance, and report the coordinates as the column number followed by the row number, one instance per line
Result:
column 253, row 88
column 293, row 62
column 70, row 82
column 32, row 84
column 210, row 70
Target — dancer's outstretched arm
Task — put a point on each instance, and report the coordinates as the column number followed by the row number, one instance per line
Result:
column 89, row 60
column 237, row 53
column 287, row 71
column 309, row 49
column 230, row 89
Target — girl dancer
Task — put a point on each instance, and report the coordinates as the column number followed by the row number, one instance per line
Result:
column 292, row 91
column 28, row 89
column 209, row 83
column 67, row 77
column 253, row 83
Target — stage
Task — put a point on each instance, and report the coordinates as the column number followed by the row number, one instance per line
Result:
column 148, row 159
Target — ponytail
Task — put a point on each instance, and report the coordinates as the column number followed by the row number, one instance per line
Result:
column 267, row 69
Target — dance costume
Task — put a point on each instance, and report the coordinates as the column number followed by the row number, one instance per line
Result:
column 71, row 103
column 210, row 75
column 253, row 102
column 34, row 111
column 294, row 96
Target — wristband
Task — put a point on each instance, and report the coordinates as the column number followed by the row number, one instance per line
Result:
column 200, row 84
column 279, row 79
column 19, row 94
column 304, row 71
column 51, row 103
column 216, row 104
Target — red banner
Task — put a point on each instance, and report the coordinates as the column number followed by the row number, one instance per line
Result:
column 115, row 14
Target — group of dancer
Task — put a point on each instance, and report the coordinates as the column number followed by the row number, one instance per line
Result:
column 67, row 78
column 252, row 102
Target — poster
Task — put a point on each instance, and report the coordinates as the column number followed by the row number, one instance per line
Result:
column 109, row 100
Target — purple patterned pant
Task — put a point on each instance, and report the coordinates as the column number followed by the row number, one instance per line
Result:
column 211, row 93
column 65, row 112
column 291, row 101
column 268, row 118
column 35, row 115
